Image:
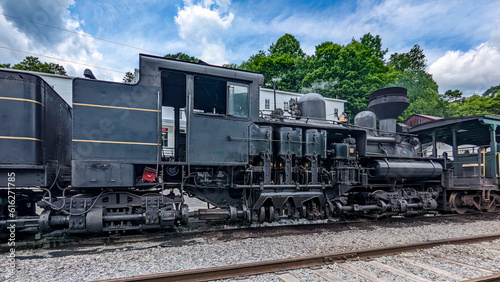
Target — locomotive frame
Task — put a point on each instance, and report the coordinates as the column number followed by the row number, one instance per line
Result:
column 99, row 165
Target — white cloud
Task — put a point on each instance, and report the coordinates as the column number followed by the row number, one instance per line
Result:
column 202, row 25
column 40, row 41
column 471, row 72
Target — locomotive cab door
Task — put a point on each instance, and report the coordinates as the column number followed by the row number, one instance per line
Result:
column 218, row 121
column 173, row 115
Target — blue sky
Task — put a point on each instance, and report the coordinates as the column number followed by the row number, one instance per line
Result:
column 461, row 39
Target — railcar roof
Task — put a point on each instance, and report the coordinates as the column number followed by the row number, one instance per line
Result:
column 471, row 130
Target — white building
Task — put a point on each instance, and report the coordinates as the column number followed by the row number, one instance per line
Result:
column 63, row 86
column 334, row 107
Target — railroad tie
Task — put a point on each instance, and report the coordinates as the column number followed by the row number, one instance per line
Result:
column 327, row 275
column 464, row 264
column 287, row 277
column 361, row 272
column 397, row 271
column 493, row 251
column 433, row 269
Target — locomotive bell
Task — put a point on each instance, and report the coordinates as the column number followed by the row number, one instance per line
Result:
column 312, row 105
column 388, row 104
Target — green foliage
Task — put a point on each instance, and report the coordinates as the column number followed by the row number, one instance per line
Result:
column 286, row 45
column 285, row 63
column 129, row 77
column 422, row 89
column 353, row 71
column 452, row 95
column 475, row 105
column 5, row 66
column 230, row 66
column 493, row 91
column 414, row 60
column 33, row 64
column 422, row 94
column 350, row 72
column 182, row 57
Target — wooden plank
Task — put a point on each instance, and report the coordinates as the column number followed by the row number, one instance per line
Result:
column 464, row 264
column 327, row 275
column 493, row 251
column 433, row 269
column 361, row 272
column 287, row 277
column 397, row 271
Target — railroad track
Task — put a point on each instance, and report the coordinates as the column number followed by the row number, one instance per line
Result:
column 427, row 261
column 59, row 241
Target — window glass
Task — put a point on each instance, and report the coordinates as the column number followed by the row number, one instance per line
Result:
column 215, row 96
column 237, row 100
column 267, row 104
column 209, row 95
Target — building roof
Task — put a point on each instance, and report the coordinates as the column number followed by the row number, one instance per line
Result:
column 424, row 116
column 470, row 130
column 300, row 94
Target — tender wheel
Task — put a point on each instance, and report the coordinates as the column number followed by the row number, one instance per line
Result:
column 262, row 214
column 272, row 215
column 456, row 203
column 184, row 215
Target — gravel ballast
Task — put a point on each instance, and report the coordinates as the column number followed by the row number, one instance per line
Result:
column 93, row 263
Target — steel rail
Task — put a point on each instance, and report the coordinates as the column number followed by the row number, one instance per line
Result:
column 253, row 268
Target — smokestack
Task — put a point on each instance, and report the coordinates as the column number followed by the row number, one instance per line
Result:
column 388, row 104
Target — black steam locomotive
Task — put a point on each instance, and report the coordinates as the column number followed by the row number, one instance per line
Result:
column 100, row 164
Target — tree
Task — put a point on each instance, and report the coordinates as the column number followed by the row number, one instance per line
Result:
column 475, row 105
column 33, row 64
column 5, row 66
column 230, row 66
column 414, row 60
column 422, row 89
column 283, row 61
column 286, row 45
column 129, row 77
column 452, row 95
column 182, row 57
column 352, row 71
column 492, row 91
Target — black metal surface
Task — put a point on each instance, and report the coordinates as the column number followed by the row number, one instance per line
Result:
column 35, row 128
column 251, row 166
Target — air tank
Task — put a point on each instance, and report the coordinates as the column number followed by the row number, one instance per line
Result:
column 397, row 169
column 312, row 105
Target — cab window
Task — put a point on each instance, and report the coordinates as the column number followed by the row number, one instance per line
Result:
column 219, row 97
column 237, row 101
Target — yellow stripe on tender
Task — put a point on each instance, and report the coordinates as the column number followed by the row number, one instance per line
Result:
column 115, row 142
column 114, row 107
column 20, row 138
column 20, row 99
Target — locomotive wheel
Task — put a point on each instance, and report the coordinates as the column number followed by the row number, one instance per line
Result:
column 289, row 210
column 271, row 214
column 262, row 214
column 456, row 203
column 303, row 211
column 493, row 205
